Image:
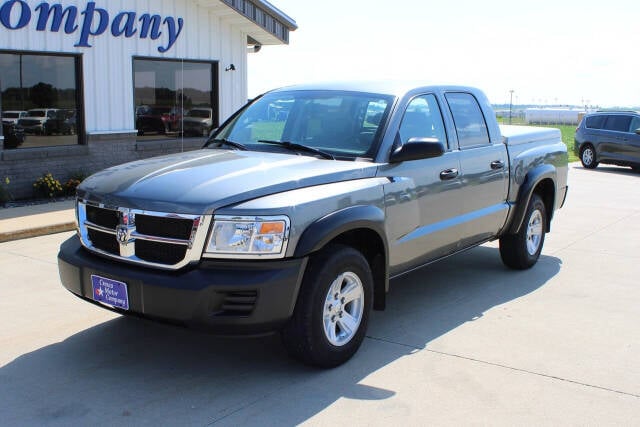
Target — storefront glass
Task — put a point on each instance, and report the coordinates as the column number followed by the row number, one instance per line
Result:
column 174, row 98
column 40, row 100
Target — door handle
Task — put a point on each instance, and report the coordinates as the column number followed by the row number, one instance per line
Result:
column 448, row 174
column 497, row 164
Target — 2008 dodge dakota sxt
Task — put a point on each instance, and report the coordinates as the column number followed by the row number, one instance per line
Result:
column 305, row 203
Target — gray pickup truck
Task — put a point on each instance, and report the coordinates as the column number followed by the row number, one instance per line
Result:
column 303, row 206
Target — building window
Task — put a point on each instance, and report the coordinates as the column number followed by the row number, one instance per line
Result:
column 174, row 98
column 40, row 102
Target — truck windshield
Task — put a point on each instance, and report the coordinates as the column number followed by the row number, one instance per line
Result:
column 344, row 124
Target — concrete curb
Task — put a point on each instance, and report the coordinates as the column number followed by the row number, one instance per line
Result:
column 36, row 220
column 43, row 230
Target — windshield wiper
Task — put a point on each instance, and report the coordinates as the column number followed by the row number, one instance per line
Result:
column 299, row 147
column 223, row 141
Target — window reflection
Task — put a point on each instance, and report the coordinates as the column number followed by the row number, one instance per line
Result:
column 39, row 100
column 173, row 98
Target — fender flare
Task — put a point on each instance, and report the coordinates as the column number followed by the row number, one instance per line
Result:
column 330, row 226
column 531, row 181
column 324, row 230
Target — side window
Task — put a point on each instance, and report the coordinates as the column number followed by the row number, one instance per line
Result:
column 423, row 119
column 468, row 119
column 595, row 122
column 618, row 123
column 635, row 124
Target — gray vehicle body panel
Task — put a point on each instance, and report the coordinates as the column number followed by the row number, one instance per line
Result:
column 424, row 216
column 203, row 181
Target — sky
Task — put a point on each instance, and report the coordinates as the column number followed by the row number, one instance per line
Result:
column 561, row 52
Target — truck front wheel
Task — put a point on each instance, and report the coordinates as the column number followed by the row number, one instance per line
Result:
column 522, row 250
column 331, row 315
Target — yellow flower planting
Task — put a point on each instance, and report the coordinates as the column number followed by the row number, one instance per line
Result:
column 47, row 186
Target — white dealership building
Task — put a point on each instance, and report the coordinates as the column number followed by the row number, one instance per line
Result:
column 86, row 85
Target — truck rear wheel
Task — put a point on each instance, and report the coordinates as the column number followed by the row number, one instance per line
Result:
column 522, row 250
column 331, row 315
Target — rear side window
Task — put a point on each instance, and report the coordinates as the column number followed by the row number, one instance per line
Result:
column 468, row 119
column 618, row 123
column 595, row 122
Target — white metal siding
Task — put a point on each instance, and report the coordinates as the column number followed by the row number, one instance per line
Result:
column 107, row 65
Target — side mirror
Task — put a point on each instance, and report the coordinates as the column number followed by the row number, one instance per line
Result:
column 637, row 131
column 416, row 149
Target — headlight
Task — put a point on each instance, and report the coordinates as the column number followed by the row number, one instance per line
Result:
column 248, row 237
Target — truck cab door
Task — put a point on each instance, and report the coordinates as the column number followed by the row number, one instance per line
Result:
column 423, row 196
column 484, row 171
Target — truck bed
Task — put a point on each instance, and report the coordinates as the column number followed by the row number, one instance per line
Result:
column 516, row 135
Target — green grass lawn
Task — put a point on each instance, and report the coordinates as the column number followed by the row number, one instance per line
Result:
column 568, row 133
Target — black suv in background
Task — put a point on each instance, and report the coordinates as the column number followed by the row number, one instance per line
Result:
column 611, row 137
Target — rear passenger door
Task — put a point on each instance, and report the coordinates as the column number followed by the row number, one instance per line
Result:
column 484, row 170
column 614, row 136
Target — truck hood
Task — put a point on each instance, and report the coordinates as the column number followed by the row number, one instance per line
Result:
column 199, row 182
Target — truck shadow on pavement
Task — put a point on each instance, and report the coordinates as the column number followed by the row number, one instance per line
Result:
column 130, row 371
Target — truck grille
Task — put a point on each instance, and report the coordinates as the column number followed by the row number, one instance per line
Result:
column 153, row 239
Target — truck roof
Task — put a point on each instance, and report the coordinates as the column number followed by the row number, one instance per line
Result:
column 387, row 87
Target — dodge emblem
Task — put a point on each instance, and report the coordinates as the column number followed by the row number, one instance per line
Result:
column 122, row 234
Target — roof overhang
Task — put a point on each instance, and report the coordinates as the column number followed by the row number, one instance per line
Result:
column 259, row 19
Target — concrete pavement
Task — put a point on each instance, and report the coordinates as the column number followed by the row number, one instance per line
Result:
column 464, row 341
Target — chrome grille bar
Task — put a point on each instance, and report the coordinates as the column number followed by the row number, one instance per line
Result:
column 125, row 235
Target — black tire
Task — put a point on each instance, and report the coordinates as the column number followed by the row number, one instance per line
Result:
column 588, row 157
column 521, row 251
column 304, row 335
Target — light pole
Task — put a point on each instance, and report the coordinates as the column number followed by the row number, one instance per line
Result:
column 510, row 104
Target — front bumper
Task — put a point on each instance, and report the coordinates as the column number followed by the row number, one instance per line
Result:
column 234, row 297
column 33, row 129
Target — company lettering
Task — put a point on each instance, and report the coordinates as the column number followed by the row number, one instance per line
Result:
column 91, row 22
column 105, row 284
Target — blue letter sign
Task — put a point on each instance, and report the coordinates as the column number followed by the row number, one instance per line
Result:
column 91, row 22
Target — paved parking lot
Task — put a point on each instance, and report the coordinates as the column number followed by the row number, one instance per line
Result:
column 464, row 341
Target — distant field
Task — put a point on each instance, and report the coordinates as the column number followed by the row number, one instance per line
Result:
column 568, row 132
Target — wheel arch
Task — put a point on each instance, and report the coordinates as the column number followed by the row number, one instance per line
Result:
column 541, row 181
column 361, row 227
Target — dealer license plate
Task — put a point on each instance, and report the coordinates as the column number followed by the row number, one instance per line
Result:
column 110, row 292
